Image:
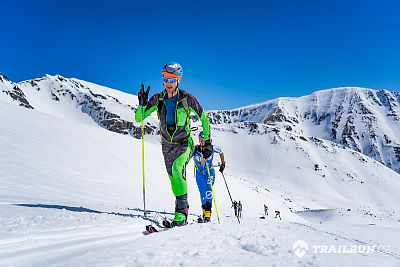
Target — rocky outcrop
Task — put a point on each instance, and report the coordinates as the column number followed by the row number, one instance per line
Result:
column 82, row 98
column 14, row 92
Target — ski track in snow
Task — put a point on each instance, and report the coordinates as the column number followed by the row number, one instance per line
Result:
column 61, row 237
column 83, row 243
column 35, row 241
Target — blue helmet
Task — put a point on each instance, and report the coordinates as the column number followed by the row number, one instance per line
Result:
column 172, row 69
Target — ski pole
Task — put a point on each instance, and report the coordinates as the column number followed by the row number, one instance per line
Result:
column 212, row 192
column 229, row 193
column 143, row 176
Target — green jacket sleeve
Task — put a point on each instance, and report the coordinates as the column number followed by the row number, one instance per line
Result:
column 150, row 107
column 196, row 108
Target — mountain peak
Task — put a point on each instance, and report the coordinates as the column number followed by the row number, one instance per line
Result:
column 3, row 77
column 53, row 77
column 363, row 119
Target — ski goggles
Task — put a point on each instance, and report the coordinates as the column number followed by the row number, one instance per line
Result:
column 170, row 80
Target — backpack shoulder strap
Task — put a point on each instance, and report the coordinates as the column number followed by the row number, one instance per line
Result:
column 160, row 104
column 186, row 106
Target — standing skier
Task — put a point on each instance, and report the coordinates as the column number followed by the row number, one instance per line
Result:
column 239, row 209
column 173, row 106
column 206, row 173
column 235, row 207
column 266, row 210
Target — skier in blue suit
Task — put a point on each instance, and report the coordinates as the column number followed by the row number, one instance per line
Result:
column 203, row 176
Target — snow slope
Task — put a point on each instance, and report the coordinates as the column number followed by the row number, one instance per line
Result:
column 71, row 195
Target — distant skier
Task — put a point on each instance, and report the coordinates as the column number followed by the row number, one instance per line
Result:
column 239, row 208
column 173, row 106
column 204, row 175
column 235, row 206
column 265, row 210
column 278, row 214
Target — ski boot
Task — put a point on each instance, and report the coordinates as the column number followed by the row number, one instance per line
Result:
column 207, row 216
column 181, row 213
column 179, row 220
column 207, row 212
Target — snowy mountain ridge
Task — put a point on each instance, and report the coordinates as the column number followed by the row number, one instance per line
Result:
column 362, row 119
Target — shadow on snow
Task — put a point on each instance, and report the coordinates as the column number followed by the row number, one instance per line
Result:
column 86, row 210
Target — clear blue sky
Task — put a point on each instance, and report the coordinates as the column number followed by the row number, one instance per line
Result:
column 233, row 53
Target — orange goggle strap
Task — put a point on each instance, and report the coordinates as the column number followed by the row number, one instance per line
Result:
column 166, row 74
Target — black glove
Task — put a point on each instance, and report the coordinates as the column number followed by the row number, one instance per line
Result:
column 222, row 167
column 143, row 95
column 197, row 148
column 207, row 149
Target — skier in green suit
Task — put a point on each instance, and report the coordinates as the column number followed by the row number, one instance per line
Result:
column 174, row 106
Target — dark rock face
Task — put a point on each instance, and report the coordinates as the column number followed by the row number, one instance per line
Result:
column 84, row 99
column 92, row 104
column 3, row 78
column 17, row 95
column 396, row 150
column 111, row 121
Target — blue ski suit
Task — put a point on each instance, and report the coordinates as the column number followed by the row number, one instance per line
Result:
column 202, row 178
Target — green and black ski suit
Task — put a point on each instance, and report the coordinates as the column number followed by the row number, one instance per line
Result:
column 177, row 146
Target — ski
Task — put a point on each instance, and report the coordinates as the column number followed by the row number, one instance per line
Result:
column 151, row 229
column 201, row 220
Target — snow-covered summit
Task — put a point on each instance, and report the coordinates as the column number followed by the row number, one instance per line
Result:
column 365, row 120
